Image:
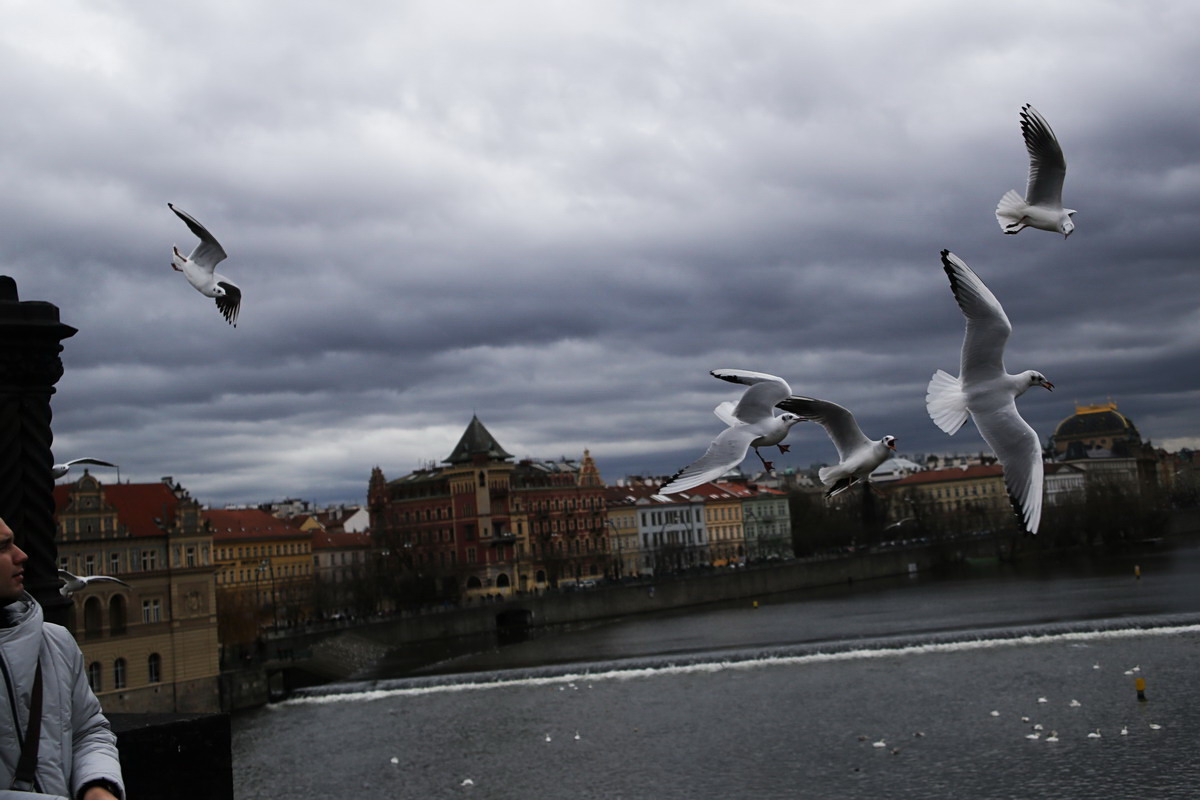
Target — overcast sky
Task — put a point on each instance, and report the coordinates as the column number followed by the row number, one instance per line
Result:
column 560, row 216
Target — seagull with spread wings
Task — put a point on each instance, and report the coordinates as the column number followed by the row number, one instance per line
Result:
column 752, row 423
column 1041, row 207
column 58, row 470
column 199, row 268
column 858, row 456
column 988, row 393
column 74, row 583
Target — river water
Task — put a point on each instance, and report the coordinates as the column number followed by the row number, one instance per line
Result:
column 922, row 687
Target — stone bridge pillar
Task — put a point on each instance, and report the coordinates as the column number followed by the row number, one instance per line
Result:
column 30, row 337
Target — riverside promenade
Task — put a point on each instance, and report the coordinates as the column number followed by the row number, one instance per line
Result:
column 339, row 652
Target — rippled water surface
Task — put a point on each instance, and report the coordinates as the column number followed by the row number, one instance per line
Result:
column 788, row 700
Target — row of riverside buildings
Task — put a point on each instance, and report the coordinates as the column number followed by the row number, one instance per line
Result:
column 204, row 584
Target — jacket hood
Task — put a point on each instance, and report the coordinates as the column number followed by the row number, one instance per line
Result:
column 18, row 612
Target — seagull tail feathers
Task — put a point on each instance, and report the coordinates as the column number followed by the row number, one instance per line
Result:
column 1011, row 211
column 945, row 402
column 724, row 412
column 829, row 475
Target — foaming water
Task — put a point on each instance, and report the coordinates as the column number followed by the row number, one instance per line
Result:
column 1010, row 686
column 784, row 656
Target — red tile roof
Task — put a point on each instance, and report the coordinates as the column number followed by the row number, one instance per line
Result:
column 137, row 505
column 248, row 523
column 951, row 474
column 323, row 540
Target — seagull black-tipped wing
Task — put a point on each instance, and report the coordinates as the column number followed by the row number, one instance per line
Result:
column 231, row 303
column 1047, row 166
column 209, row 252
column 760, row 399
column 837, row 421
column 988, row 327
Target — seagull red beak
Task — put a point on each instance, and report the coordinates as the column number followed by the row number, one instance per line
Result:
column 1048, row 385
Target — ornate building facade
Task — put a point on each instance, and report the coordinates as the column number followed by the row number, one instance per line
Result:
column 150, row 646
column 484, row 525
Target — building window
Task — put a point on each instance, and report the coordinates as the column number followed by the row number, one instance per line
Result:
column 114, row 563
column 154, row 668
column 92, row 617
column 149, row 560
column 116, row 615
column 151, row 611
column 190, row 557
column 93, row 673
column 119, row 674
column 89, row 564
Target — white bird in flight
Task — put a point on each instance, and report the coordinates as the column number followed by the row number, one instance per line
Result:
column 1041, row 207
column 858, row 456
column 73, row 583
column 752, row 423
column 198, row 268
column 58, row 470
column 988, row 393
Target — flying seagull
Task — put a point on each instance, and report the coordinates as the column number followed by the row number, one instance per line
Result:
column 858, row 456
column 986, row 391
column 1042, row 205
column 198, row 269
column 73, row 583
column 58, row 470
column 752, row 423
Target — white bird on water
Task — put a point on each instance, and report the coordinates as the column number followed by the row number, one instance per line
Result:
column 858, row 456
column 1041, row 207
column 74, row 583
column 986, row 392
column 59, row 470
column 752, row 423
column 199, row 269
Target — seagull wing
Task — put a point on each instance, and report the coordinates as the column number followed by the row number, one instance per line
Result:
column 67, row 576
column 837, row 421
column 988, row 327
column 725, row 453
column 1047, row 167
column 231, row 303
column 94, row 461
column 1016, row 444
column 105, row 579
column 209, row 252
column 759, row 401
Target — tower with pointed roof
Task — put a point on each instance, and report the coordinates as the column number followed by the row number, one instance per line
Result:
column 483, row 524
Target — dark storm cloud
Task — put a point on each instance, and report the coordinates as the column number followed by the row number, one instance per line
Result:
column 562, row 219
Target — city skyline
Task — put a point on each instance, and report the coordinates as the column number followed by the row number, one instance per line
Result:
column 561, row 220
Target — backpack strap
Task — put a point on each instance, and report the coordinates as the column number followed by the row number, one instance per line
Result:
column 25, row 778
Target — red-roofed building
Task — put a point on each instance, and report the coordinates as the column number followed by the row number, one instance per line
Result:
column 264, row 571
column 483, row 526
column 766, row 522
column 671, row 530
column 150, row 646
column 973, row 491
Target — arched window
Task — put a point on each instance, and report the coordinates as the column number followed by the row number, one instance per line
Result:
column 154, row 668
column 93, row 615
column 502, row 581
column 93, row 673
column 116, row 615
column 474, row 583
column 119, row 674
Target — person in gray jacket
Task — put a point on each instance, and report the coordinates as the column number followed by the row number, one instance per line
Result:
column 77, row 752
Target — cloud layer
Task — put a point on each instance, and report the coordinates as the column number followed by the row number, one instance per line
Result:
column 561, row 216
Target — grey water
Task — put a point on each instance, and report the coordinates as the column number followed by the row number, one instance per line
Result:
column 917, row 687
